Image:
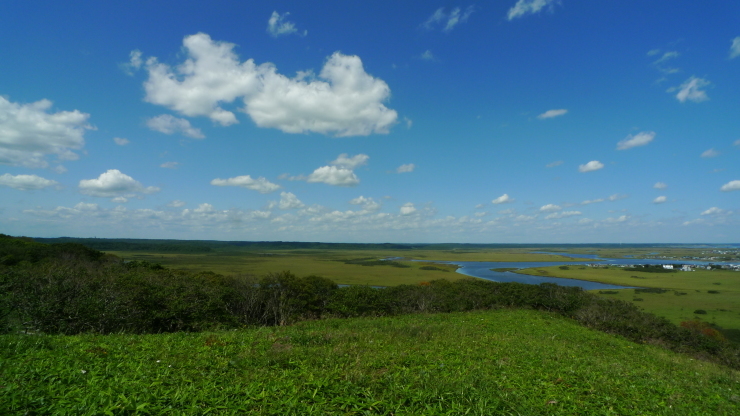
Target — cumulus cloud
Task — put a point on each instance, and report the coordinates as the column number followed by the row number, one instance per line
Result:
column 406, row 168
column 343, row 100
column 407, row 208
column 550, row 208
column 260, row 184
column 289, row 201
column 121, row 141
column 278, row 26
column 731, row 186
column 709, row 153
column 333, row 175
column 344, row 161
column 660, row 185
column 564, row 214
column 590, row 166
column 168, row 124
column 552, row 114
column 735, row 48
column 113, row 183
column 503, row 199
column 29, row 132
column 639, row 139
column 25, row 182
column 524, row 7
column 448, row 21
column 691, row 90
column 553, row 164
column 660, row 200
column 713, row 211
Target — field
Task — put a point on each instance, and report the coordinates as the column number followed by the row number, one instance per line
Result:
column 342, row 266
column 716, row 292
column 508, row 362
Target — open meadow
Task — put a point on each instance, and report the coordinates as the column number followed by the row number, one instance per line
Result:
column 715, row 294
column 343, row 266
column 503, row 362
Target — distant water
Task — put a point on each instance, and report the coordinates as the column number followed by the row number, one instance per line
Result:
column 482, row 269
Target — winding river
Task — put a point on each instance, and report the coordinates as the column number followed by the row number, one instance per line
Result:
column 483, row 270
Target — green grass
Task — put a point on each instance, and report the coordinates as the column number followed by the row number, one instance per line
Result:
column 508, row 362
column 722, row 308
column 331, row 263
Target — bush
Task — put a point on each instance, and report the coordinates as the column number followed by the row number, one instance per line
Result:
column 700, row 312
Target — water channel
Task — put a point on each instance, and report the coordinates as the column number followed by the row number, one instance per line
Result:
column 482, row 269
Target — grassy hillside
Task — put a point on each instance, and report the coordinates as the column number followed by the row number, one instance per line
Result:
column 508, row 362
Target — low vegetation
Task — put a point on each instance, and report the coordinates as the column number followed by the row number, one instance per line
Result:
column 497, row 362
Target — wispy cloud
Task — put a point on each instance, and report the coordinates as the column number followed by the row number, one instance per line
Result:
column 169, row 124
column 691, row 90
column 406, row 168
column 448, row 21
column 660, row 185
column 524, row 7
column 260, row 184
column 553, row 164
column 121, row 141
column 735, row 48
column 639, row 139
column 552, row 113
column 278, row 26
column 709, row 153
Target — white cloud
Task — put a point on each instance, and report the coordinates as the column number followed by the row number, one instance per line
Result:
column 407, row 208
column 523, row 7
column 344, row 161
column 691, row 90
column 554, row 164
column 731, row 186
column 735, row 48
column 640, row 139
column 25, row 182
column 666, row 56
column 114, row 183
column 333, row 175
column 133, row 64
column 713, row 211
column 621, row 218
column 169, row 165
column 368, row 204
column 120, row 200
column 564, row 214
column 176, row 204
column 552, row 114
column 660, row 200
column 709, row 153
column 550, row 208
column 289, row 201
column 427, row 55
column 260, row 184
column 617, row 197
column 503, row 199
column 168, row 124
column 480, row 206
column 591, row 166
column 449, row 21
column 121, row 141
column 344, row 100
column 28, row 133
column 592, row 201
column 409, row 167
column 480, row 214
column 277, row 25
column 660, row 185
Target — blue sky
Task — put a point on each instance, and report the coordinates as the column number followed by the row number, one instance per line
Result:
column 519, row 121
